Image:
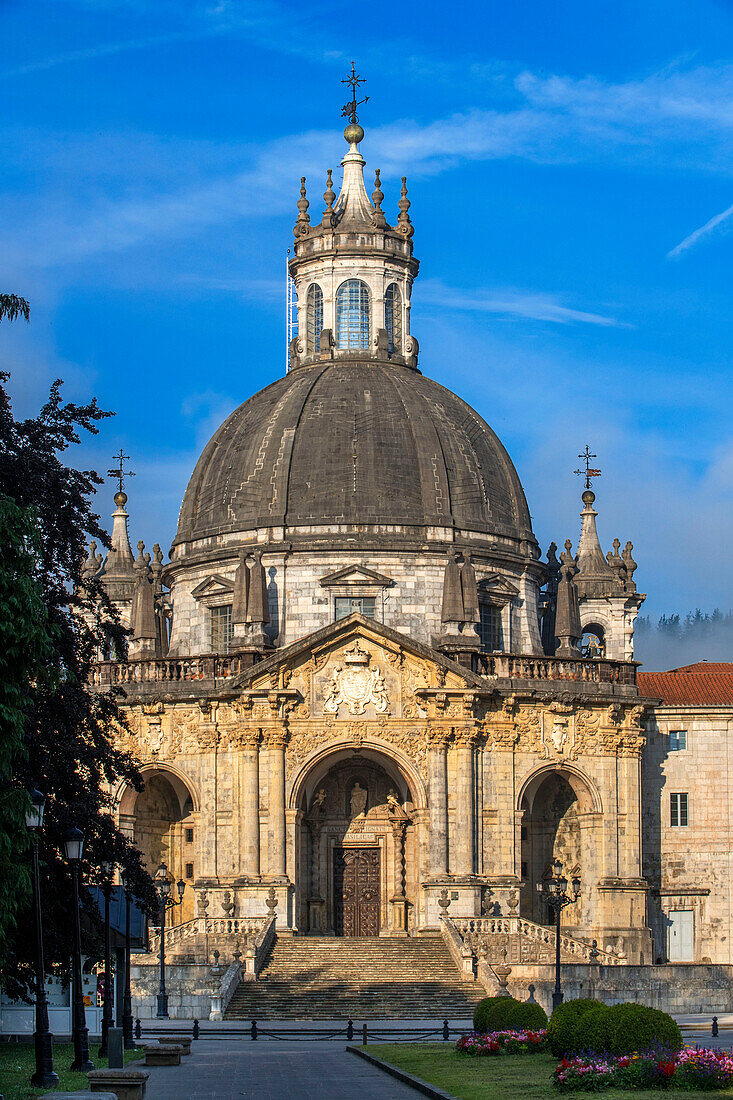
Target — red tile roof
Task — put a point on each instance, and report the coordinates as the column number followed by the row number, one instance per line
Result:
column 706, row 684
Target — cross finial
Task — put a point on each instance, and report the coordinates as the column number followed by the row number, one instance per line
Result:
column 588, row 473
column 120, row 472
column 354, row 81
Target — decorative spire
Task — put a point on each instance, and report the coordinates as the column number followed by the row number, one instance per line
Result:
column 329, row 218
column 241, row 592
column 404, row 225
column 92, row 564
column 378, row 218
column 302, row 225
column 469, row 590
column 452, row 610
column 353, row 132
column 161, row 628
column 258, row 604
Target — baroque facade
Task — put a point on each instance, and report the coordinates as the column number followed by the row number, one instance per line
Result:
column 358, row 694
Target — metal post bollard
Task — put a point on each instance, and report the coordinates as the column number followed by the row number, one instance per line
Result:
column 715, row 1025
column 446, row 1030
column 196, row 1029
column 138, row 1030
column 350, row 1030
column 363, row 1035
column 253, row 1030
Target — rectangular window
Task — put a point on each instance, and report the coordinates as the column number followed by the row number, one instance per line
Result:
column 189, row 836
column 221, row 628
column 677, row 740
column 189, row 870
column 678, row 816
column 347, row 605
column 489, row 627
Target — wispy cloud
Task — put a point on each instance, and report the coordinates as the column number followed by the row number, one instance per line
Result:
column 699, row 234
column 530, row 305
column 103, row 49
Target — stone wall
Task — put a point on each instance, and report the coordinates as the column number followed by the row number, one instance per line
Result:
column 690, row 867
column 686, row 988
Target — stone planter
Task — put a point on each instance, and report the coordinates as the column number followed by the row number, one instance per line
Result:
column 125, row 1084
column 164, row 1054
column 183, row 1041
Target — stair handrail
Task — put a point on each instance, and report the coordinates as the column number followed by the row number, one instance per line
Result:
column 225, row 992
column 255, row 956
column 207, row 926
column 467, row 927
column 461, row 952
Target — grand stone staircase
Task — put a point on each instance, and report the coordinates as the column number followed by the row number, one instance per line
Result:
column 325, row 978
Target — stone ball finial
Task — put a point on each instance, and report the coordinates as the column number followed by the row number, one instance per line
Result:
column 588, row 497
column 120, row 499
column 354, row 133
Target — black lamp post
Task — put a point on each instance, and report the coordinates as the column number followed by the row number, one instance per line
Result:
column 44, row 1076
column 554, row 892
column 163, row 882
column 73, row 848
column 127, row 1024
column 108, row 869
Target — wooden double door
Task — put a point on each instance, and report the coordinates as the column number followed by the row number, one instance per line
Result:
column 356, row 891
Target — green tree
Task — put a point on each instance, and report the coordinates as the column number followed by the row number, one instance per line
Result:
column 55, row 730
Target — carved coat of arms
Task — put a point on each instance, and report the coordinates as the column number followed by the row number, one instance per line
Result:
column 356, row 685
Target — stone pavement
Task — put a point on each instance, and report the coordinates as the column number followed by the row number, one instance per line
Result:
column 231, row 1069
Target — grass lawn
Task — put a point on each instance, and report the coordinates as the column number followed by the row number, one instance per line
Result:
column 18, row 1063
column 506, row 1077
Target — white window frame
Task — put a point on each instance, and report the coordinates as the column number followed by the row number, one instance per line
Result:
column 674, row 745
column 676, row 809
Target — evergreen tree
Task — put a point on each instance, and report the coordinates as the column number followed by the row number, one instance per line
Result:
column 55, row 731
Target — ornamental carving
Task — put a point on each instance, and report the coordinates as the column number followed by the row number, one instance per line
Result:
column 356, row 685
column 587, row 724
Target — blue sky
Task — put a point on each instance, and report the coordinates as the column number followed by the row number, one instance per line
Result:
column 571, row 172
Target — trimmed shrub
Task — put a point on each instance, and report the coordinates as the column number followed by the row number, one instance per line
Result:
column 525, row 1016
column 489, row 1014
column 592, row 1032
column 563, row 1022
column 636, row 1027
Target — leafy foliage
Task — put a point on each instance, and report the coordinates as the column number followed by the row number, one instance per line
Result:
column 12, row 306
column 506, row 1013
column 624, row 1028
column 54, row 729
column 564, row 1021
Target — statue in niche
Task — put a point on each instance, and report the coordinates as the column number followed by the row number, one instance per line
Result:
column 318, row 799
column 358, row 800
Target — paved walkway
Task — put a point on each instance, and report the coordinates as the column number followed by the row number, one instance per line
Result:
column 226, row 1069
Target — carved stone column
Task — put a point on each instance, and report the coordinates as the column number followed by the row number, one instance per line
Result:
column 316, row 902
column 438, row 795
column 276, row 741
column 398, row 899
column 249, row 807
column 463, row 849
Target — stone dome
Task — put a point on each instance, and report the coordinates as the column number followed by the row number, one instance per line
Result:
column 353, row 442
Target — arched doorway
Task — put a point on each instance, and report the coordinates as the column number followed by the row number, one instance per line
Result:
column 358, row 850
column 558, row 823
column 161, row 821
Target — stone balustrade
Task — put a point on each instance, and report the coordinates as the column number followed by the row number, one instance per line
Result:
column 199, row 927
column 477, row 932
column 181, row 673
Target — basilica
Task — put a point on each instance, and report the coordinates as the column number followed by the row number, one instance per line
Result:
column 364, row 703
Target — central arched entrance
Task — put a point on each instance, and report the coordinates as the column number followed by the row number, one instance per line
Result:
column 559, row 822
column 358, row 850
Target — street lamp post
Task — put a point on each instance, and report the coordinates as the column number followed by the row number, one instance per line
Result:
column 163, row 882
column 127, row 1036
column 44, row 1076
column 554, row 892
column 107, row 872
column 73, row 847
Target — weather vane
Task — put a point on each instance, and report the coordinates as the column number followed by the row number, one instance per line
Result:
column 588, row 473
column 354, row 81
column 120, row 472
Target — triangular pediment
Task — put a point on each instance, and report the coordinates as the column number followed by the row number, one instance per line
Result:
column 356, row 575
column 214, row 585
column 387, row 648
column 498, row 585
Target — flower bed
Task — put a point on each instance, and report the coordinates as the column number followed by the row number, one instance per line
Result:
column 687, row 1069
column 502, row 1042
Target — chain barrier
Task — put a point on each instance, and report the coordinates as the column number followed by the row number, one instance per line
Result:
column 312, row 1034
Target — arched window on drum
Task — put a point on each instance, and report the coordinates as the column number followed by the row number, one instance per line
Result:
column 314, row 318
column 352, row 315
column 393, row 317
column 593, row 642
